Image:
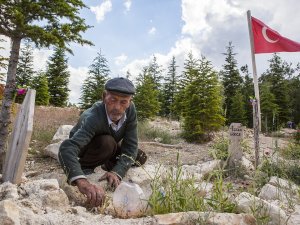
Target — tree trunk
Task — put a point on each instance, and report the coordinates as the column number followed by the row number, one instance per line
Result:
column 9, row 92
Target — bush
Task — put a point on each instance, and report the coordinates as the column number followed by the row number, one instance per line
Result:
column 219, row 149
column 292, row 151
column 297, row 137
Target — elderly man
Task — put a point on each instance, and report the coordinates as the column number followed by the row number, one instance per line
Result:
column 106, row 135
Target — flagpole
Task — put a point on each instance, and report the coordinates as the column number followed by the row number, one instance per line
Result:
column 255, row 80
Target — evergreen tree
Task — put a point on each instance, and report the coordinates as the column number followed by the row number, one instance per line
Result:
column 170, row 89
column 146, row 97
column 269, row 108
column 202, row 112
column 231, row 78
column 190, row 70
column 93, row 85
column 248, row 93
column 25, row 70
column 276, row 76
column 58, row 78
column 3, row 63
column 40, row 84
column 45, row 23
column 237, row 109
column 294, row 93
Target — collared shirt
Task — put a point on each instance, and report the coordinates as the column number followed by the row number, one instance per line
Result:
column 114, row 126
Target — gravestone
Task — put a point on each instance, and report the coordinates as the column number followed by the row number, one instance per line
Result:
column 235, row 148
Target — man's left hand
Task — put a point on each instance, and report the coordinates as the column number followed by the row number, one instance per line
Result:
column 112, row 179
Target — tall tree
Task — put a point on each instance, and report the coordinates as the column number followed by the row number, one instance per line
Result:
column 58, row 78
column 45, row 23
column 269, row 108
column 294, row 93
column 40, row 84
column 93, row 85
column 237, row 109
column 146, row 97
column 202, row 112
column 170, row 89
column 25, row 71
column 3, row 63
column 231, row 78
column 248, row 93
column 276, row 76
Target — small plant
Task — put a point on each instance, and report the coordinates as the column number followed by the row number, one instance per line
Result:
column 291, row 151
column 174, row 193
column 297, row 137
column 219, row 149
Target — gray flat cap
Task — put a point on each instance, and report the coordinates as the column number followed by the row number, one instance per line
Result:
column 120, row 85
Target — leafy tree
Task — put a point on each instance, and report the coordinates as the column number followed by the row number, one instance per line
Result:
column 232, row 80
column 58, row 78
column 170, row 89
column 25, row 71
column 93, row 85
column 248, row 93
column 276, row 76
column 202, row 112
column 40, row 84
column 146, row 97
column 269, row 108
column 237, row 109
column 45, row 23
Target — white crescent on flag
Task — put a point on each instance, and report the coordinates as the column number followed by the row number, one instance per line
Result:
column 264, row 33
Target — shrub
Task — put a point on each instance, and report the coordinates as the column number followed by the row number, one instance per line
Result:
column 219, row 149
column 292, row 151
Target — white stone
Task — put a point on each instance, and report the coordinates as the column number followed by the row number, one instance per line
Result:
column 8, row 191
column 129, row 200
column 284, row 184
column 52, row 150
column 247, row 203
column 204, row 188
column 62, row 133
column 9, row 213
column 270, row 192
column 200, row 170
column 247, row 164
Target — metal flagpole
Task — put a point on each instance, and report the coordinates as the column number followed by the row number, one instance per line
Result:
column 255, row 80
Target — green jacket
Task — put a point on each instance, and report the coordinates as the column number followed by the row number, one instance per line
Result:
column 94, row 122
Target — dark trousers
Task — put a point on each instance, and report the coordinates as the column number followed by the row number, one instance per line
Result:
column 103, row 150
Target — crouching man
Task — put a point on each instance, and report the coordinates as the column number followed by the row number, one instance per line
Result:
column 105, row 135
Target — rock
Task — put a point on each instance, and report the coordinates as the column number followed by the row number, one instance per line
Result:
column 204, row 189
column 62, row 133
column 248, row 203
column 270, row 192
column 247, row 164
column 8, row 191
column 129, row 201
column 9, row 213
column 200, row 170
column 52, row 150
column 284, row 184
column 183, row 218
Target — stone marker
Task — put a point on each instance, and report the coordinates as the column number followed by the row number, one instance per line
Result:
column 235, row 147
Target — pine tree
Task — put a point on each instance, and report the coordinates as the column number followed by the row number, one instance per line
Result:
column 294, row 93
column 146, row 97
column 202, row 112
column 40, row 84
column 45, row 23
column 93, row 86
column 237, row 109
column 58, row 78
column 248, row 93
column 190, row 69
column 170, row 89
column 231, row 79
column 3, row 64
column 276, row 76
column 269, row 109
column 25, row 71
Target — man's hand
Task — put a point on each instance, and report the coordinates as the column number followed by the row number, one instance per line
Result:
column 95, row 195
column 112, row 178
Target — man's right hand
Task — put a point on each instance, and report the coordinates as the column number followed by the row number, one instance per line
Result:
column 95, row 195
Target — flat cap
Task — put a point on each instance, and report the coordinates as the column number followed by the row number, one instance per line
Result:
column 120, row 85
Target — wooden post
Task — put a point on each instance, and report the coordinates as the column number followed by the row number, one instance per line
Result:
column 235, row 147
column 19, row 142
column 256, row 131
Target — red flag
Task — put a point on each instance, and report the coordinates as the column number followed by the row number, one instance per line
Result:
column 267, row 40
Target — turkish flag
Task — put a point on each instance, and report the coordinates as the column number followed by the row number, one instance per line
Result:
column 267, row 40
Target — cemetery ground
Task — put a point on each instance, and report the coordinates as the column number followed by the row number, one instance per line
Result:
column 184, row 183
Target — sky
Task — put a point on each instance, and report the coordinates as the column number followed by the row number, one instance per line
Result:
column 130, row 32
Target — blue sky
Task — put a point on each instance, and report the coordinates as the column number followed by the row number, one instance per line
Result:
column 130, row 32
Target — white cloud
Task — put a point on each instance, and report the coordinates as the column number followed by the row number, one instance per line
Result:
column 152, row 31
column 127, row 5
column 119, row 60
column 102, row 9
column 77, row 76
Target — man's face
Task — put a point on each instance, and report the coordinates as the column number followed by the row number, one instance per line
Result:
column 116, row 105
